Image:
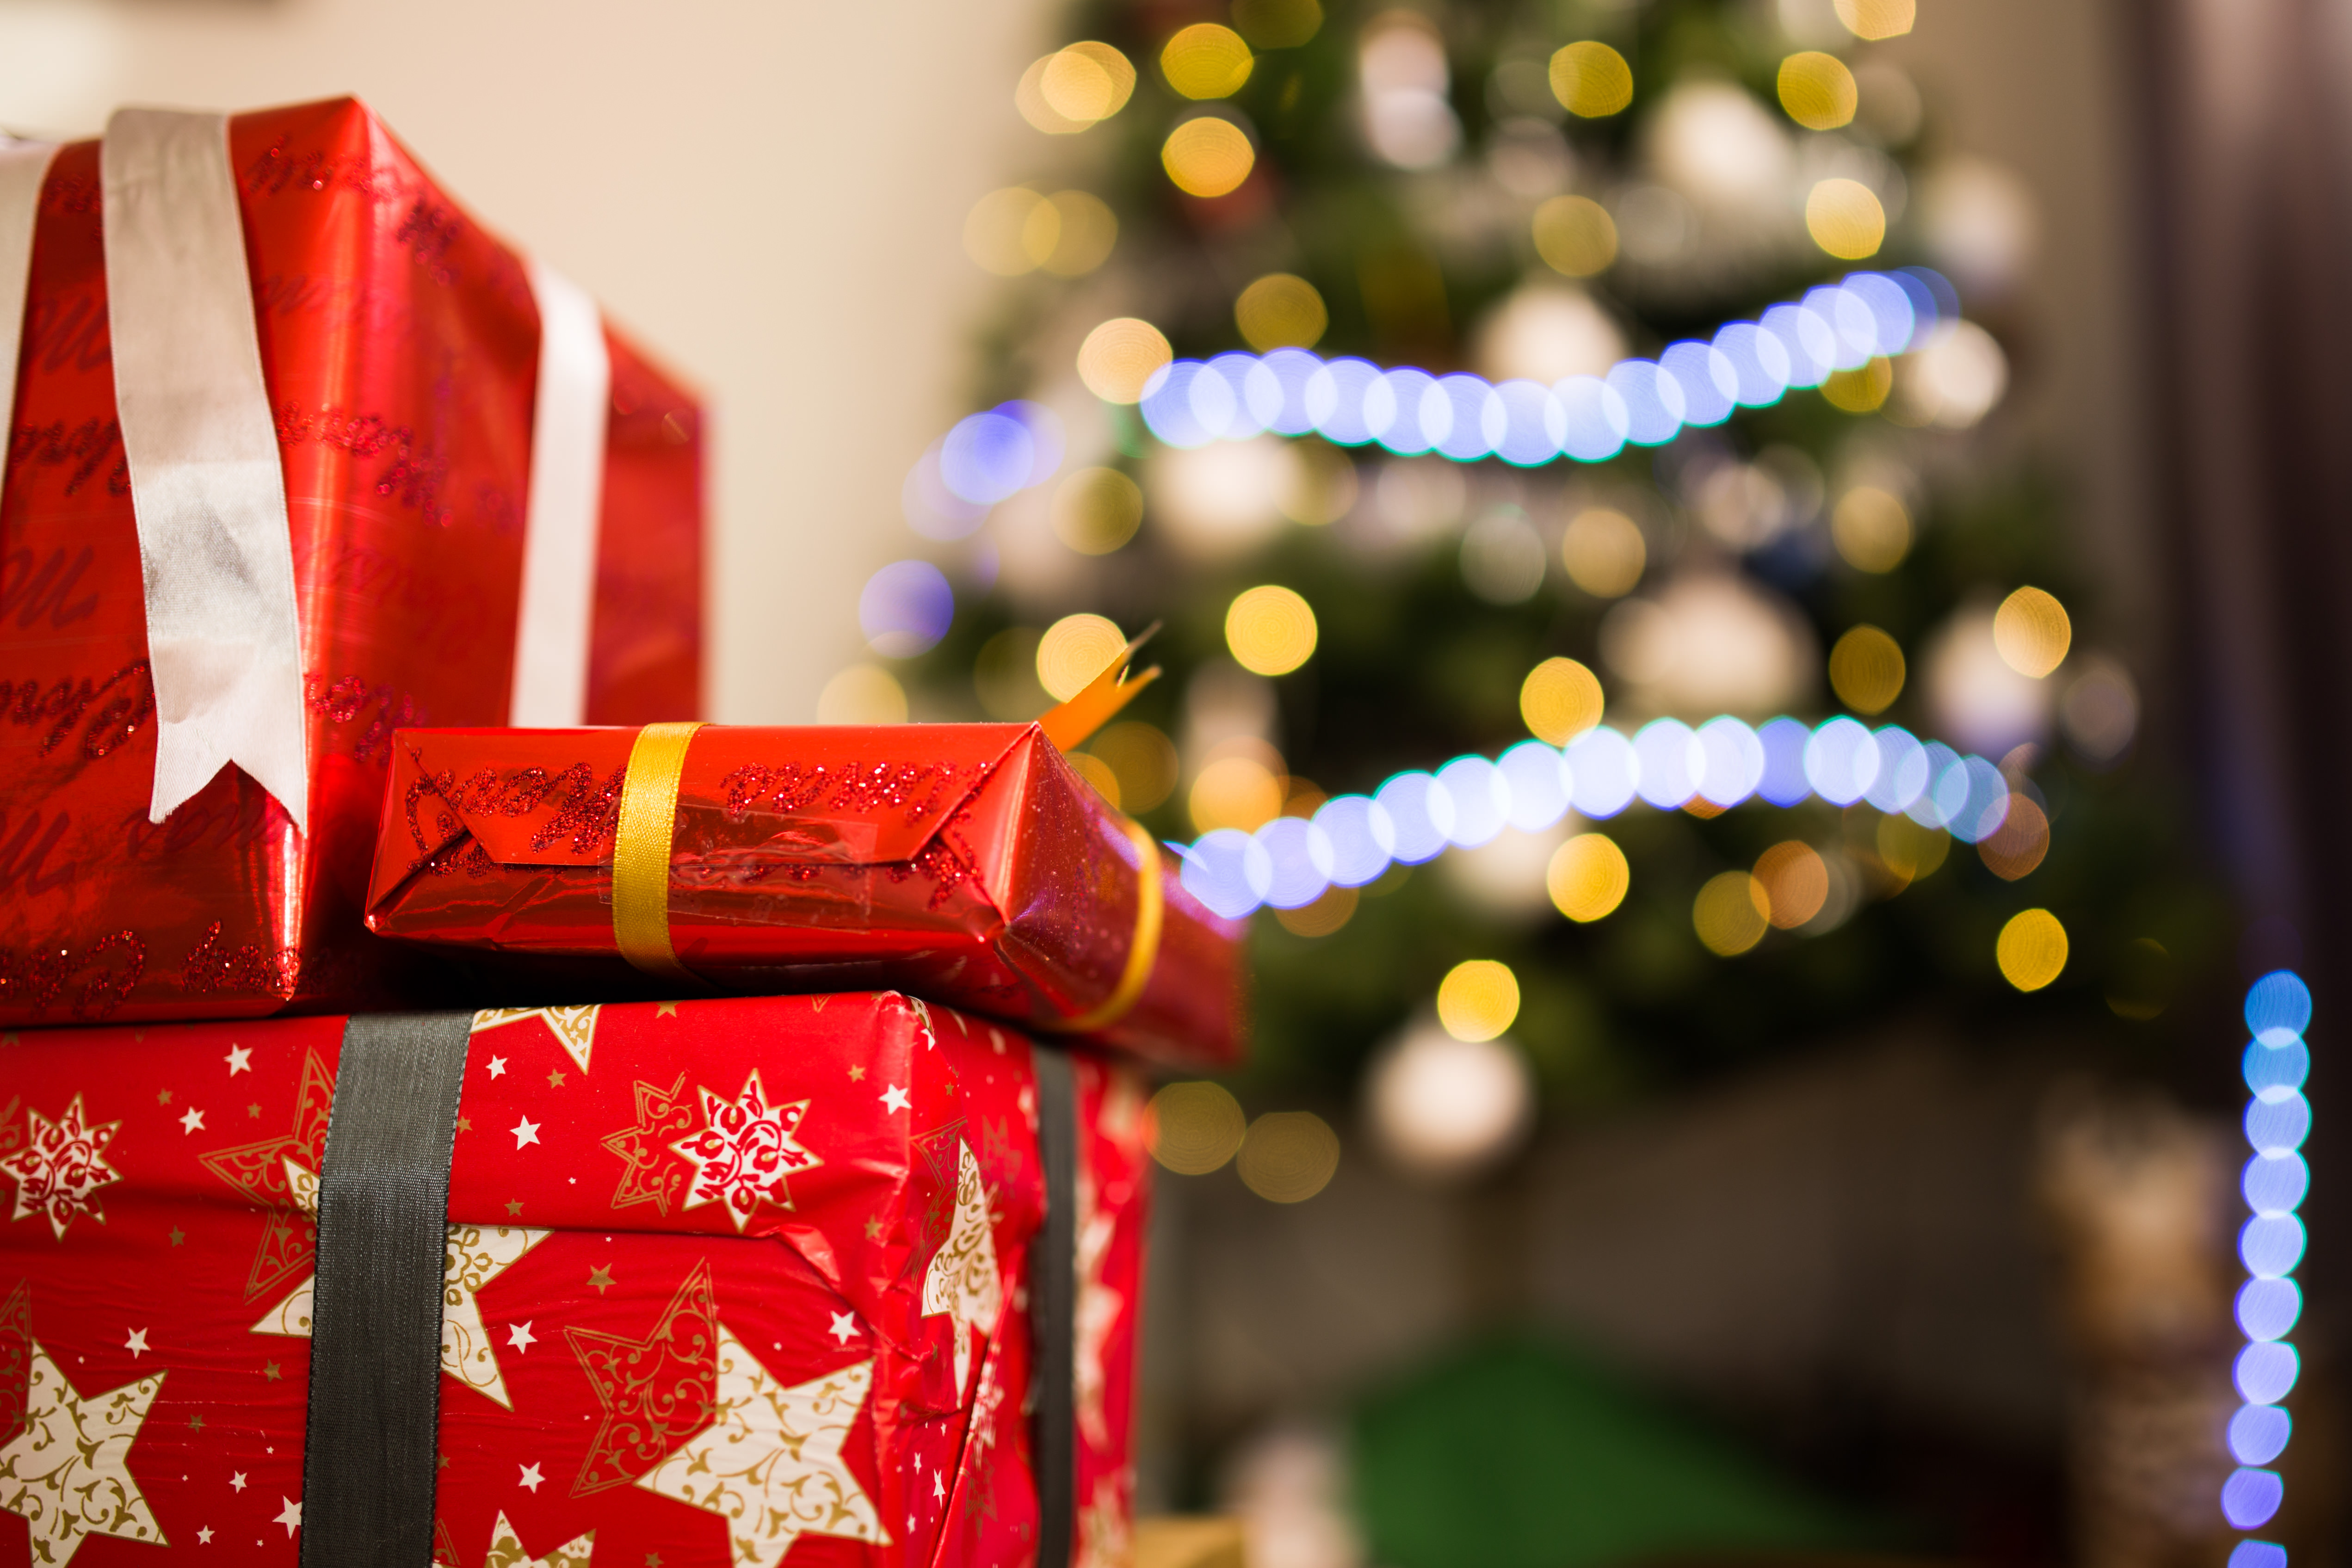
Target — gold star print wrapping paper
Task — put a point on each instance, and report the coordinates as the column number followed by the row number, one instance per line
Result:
column 744, row 1284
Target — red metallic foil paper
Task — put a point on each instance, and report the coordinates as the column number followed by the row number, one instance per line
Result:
column 967, row 863
column 399, row 346
column 661, row 1216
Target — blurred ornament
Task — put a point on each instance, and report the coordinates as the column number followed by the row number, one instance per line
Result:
column 1591, row 81
column 1979, row 223
column 861, row 694
column 1546, row 333
column 1575, row 235
column 2100, row 711
column 1120, row 357
column 1074, row 88
column 1503, row 557
column 1208, row 155
column 1445, row 1110
column 1817, row 90
column 1401, row 63
column 1954, row 381
column 1978, row 700
column 1073, row 650
column 1220, row 501
column 1280, row 310
column 1528, row 157
column 1205, row 60
column 1710, row 643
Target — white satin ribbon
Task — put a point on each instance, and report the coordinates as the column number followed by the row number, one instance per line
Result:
column 567, row 484
column 215, row 555
column 23, row 166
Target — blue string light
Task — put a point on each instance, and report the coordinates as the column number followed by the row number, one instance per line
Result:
column 1352, row 839
column 2278, row 1120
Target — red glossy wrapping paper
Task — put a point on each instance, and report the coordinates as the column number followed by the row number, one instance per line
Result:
column 399, row 346
column 729, row 1282
column 964, row 862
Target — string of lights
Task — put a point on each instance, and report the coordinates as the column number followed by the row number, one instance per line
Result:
column 2278, row 1120
column 1353, row 839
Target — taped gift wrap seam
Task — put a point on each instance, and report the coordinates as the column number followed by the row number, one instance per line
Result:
column 642, row 838
column 24, row 168
column 1143, row 948
column 208, row 490
column 567, row 482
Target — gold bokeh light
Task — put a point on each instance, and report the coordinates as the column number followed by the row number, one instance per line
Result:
column 861, row 694
column 1281, row 310
column 1560, row 699
column 1195, row 1127
column 2031, row 950
column 1270, row 629
column 1479, row 999
column 1333, row 908
column 1095, row 511
column 1288, row 1156
column 2015, row 847
column 1120, row 357
column 1205, row 60
column 1910, row 851
column 1235, row 792
column 1098, row 773
column 1087, row 82
column 1817, row 90
column 1731, row 914
column 1796, row 883
column 2033, row 632
column 1845, row 218
column 1603, row 551
column 1863, row 389
column 1866, row 669
column 1587, row 877
column 1277, row 23
column 1871, row 527
column 1575, row 235
column 1143, row 759
column 1207, row 156
column 1591, row 81
column 1073, row 650
column 1874, row 19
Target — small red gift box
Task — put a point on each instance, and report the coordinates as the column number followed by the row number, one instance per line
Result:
column 720, row 1281
column 965, row 862
column 299, row 453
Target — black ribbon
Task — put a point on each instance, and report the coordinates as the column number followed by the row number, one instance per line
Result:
column 1053, row 1315
column 371, row 1461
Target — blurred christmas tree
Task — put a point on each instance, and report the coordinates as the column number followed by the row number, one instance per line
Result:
column 1537, row 191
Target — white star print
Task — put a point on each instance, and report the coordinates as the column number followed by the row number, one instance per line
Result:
column 939, row 1484
column 497, row 1066
column 65, row 1468
column 525, row 1131
column 845, row 1326
column 236, row 1481
column 531, row 1478
column 193, row 1122
column 519, row 1336
column 239, row 1059
column 204, row 1536
column 894, row 1097
column 290, row 1516
column 136, row 1343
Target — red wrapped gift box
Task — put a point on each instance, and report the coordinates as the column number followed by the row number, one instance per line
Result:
column 726, row 1281
column 405, row 373
column 966, row 862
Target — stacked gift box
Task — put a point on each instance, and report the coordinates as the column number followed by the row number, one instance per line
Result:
column 455, row 1110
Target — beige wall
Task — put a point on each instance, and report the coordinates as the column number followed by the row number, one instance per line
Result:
column 768, row 193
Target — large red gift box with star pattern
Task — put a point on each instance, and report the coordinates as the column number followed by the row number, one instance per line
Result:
column 726, row 1281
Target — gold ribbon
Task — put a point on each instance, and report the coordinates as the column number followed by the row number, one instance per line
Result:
column 1150, row 909
column 641, row 848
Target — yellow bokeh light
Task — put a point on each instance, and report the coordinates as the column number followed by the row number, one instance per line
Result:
column 1073, row 650
column 1318, row 486
column 1206, row 156
column 1333, row 908
column 1796, row 883
column 1479, row 999
column 1731, row 914
column 1205, row 60
column 2015, row 847
column 1877, row 19
column 1098, row 773
column 1591, row 81
column 1866, row 669
column 1871, row 527
column 2031, row 950
column 1281, row 312
column 1195, row 1128
column 1559, row 699
column 1603, row 551
column 1862, row 390
column 1909, row 850
column 1575, row 235
column 1587, row 877
column 1844, row 218
column 1087, row 82
column 2033, row 632
column 1095, row 511
column 1277, row 23
column 1270, row 629
column 996, row 232
column 1120, row 357
column 1083, row 231
column 861, row 694
column 1235, row 792
column 1144, row 758
column 1288, row 1156
column 1004, row 677
column 1817, row 90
